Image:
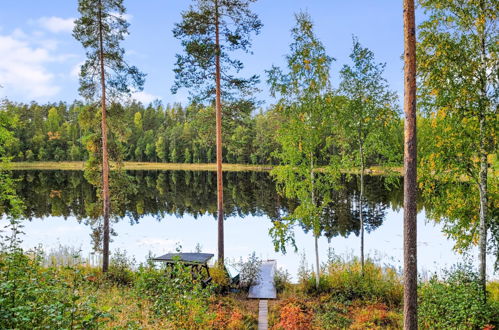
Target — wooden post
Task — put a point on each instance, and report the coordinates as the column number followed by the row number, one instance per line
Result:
column 410, row 170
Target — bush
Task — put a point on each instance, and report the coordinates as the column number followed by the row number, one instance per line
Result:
column 375, row 316
column 219, row 278
column 282, row 280
column 345, row 281
column 175, row 295
column 332, row 315
column 228, row 315
column 455, row 302
column 31, row 295
column 120, row 269
column 249, row 271
column 294, row 315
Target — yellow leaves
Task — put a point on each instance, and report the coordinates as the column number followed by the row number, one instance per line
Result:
column 54, row 135
column 307, row 64
column 480, row 22
column 434, row 92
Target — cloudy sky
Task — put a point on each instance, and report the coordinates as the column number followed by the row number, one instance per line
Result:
column 39, row 59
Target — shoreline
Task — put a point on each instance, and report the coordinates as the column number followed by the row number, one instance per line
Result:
column 150, row 166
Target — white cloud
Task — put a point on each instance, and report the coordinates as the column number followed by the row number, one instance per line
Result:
column 144, row 97
column 126, row 17
column 21, row 68
column 75, row 71
column 57, row 24
column 23, row 61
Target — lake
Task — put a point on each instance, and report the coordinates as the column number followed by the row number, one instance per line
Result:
column 160, row 211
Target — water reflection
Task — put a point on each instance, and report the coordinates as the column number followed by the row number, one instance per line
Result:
column 182, row 193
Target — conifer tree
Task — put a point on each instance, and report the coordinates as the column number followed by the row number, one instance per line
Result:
column 210, row 30
column 104, row 77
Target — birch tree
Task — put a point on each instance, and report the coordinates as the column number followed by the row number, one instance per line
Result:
column 304, row 100
column 366, row 118
column 458, row 69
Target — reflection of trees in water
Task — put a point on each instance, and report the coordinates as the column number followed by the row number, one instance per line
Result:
column 179, row 193
column 342, row 216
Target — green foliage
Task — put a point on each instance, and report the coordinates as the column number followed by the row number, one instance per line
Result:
column 33, row 296
column 345, row 281
column 249, row 271
column 175, row 295
column 104, row 19
column 458, row 87
column 304, row 104
column 282, row 280
column 195, row 68
column 9, row 202
column 368, row 113
column 454, row 302
column 120, row 270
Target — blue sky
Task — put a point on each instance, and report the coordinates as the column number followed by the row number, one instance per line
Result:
column 39, row 59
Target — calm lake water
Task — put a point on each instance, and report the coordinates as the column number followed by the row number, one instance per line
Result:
column 162, row 210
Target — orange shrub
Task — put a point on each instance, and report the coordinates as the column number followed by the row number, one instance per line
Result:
column 294, row 316
column 375, row 316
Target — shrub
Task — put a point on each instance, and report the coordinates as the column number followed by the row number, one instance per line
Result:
column 332, row 315
column 282, row 280
column 294, row 315
column 454, row 302
column 375, row 316
column 230, row 316
column 249, row 271
column 120, row 269
column 219, row 278
column 345, row 281
column 175, row 295
column 31, row 295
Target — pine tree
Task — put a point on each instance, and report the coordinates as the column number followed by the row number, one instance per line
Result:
column 210, row 30
column 410, row 171
column 104, row 77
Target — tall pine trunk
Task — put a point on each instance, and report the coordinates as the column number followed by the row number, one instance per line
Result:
column 218, row 106
column 105, row 158
column 410, row 170
column 361, row 207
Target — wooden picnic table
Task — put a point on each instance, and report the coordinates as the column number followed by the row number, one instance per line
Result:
column 196, row 261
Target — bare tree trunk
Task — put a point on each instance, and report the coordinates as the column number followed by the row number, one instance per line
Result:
column 218, row 106
column 483, row 208
column 361, row 204
column 105, row 158
column 410, row 169
column 483, row 165
column 316, row 239
column 317, row 265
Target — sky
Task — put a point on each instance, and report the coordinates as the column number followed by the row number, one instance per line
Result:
column 40, row 60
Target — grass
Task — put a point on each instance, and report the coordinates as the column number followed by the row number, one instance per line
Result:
column 150, row 166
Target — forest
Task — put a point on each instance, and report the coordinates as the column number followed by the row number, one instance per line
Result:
column 158, row 133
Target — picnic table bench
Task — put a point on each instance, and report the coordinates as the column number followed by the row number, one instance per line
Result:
column 196, row 261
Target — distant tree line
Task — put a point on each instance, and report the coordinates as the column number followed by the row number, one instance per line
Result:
column 155, row 133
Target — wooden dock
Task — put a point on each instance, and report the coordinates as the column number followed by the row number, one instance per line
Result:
column 263, row 310
column 265, row 288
